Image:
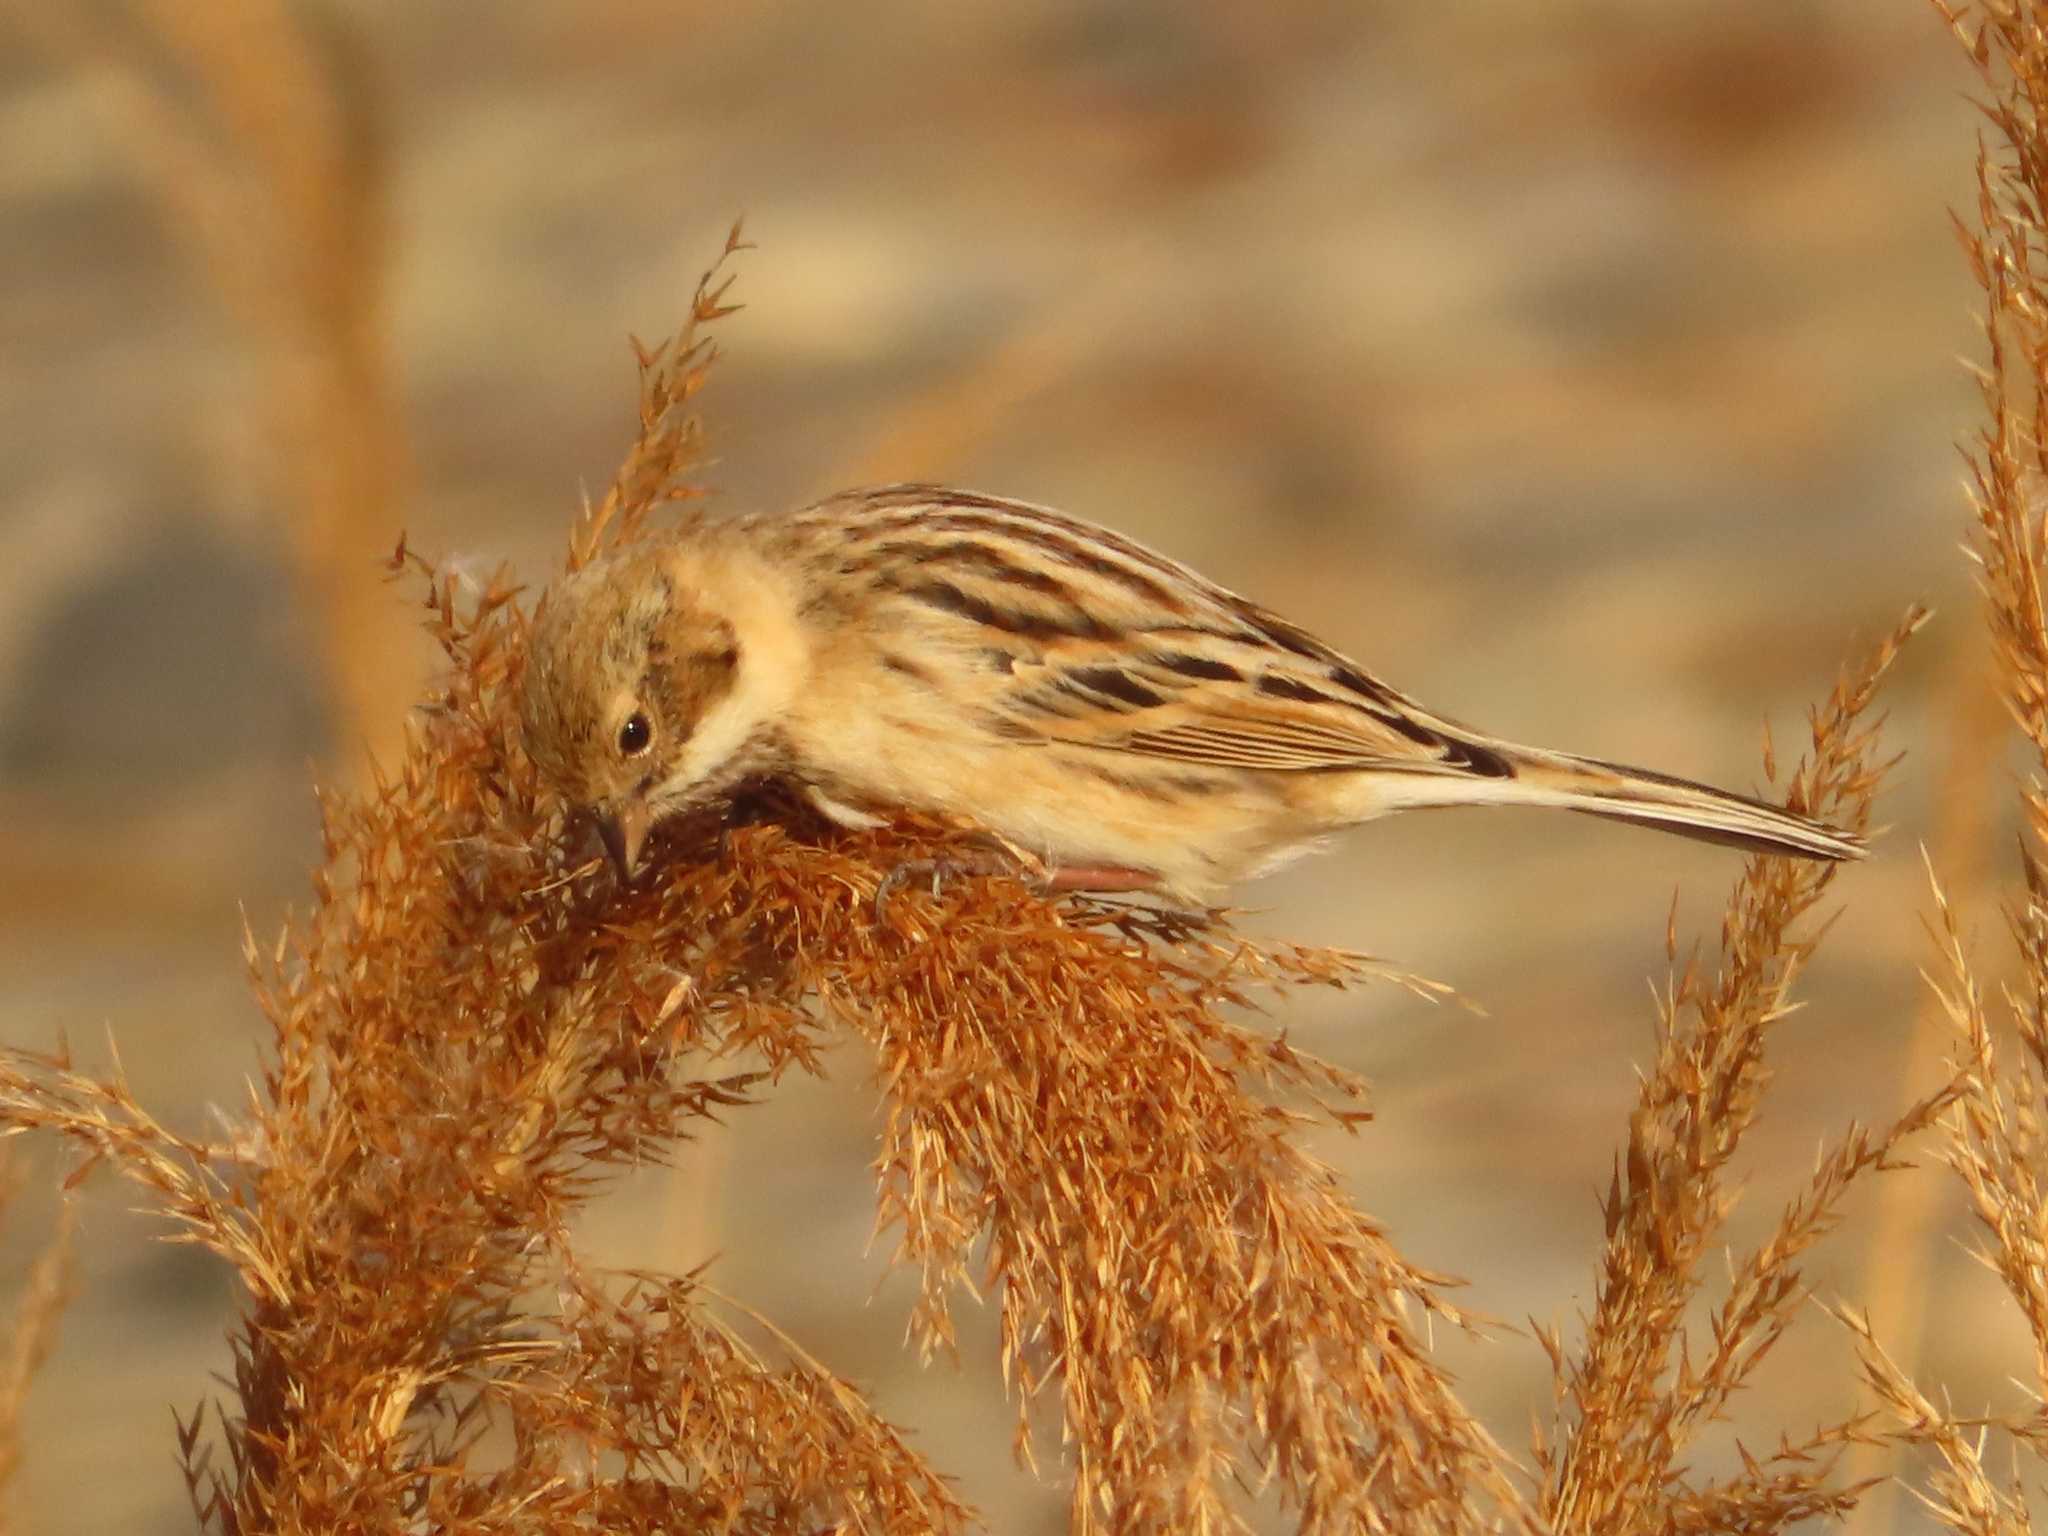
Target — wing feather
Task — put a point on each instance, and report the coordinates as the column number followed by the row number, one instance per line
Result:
column 1073, row 634
column 1288, row 716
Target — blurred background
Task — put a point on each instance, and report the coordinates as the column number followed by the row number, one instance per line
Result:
column 1587, row 369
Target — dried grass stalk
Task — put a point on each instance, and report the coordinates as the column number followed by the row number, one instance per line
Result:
column 467, row 1040
column 32, row 1331
column 255, row 130
column 1640, row 1389
column 1993, row 1135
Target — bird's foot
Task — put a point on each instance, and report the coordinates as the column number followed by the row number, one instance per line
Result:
column 936, row 871
column 960, row 866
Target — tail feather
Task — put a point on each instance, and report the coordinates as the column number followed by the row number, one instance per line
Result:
column 1735, row 821
column 1643, row 797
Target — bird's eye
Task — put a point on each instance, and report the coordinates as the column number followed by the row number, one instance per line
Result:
column 635, row 735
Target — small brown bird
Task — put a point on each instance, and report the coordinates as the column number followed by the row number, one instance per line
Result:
column 1088, row 702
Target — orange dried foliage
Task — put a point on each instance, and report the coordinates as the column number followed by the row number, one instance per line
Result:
column 469, row 1037
column 1639, row 1392
column 31, row 1332
column 1994, row 1141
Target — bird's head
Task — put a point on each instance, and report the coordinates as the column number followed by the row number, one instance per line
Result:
column 626, row 661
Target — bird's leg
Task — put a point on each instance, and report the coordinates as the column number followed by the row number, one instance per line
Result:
column 1107, row 878
column 1004, row 857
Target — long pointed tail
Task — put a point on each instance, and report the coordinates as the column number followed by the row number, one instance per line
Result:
column 1647, row 798
column 1642, row 797
column 1716, row 816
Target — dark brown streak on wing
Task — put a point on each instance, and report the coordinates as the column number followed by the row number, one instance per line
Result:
column 1275, row 685
column 1348, row 676
column 1203, row 667
column 1483, row 762
column 1075, row 544
column 980, row 560
column 1031, row 625
column 1455, row 751
column 1289, row 637
column 1115, row 683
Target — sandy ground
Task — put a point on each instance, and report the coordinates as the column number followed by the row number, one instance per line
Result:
column 1588, row 370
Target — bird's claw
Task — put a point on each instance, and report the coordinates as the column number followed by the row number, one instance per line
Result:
column 1037, row 875
column 938, row 872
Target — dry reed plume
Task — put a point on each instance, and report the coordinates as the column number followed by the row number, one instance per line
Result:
column 31, row 1332
column 1993, row 1135
column 475, row 1026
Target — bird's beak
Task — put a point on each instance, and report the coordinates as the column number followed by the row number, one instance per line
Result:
column 624, row 829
